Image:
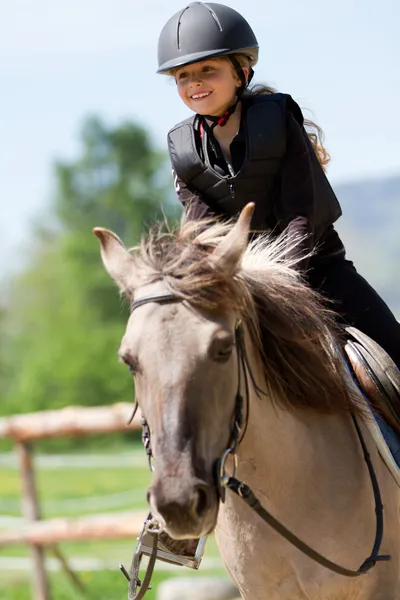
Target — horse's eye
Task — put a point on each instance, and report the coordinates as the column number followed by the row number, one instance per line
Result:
column 224, row 355
column 221, row 349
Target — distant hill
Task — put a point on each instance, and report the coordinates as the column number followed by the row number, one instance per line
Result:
column 370, row 230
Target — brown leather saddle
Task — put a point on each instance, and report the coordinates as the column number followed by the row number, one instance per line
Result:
column 377, row 374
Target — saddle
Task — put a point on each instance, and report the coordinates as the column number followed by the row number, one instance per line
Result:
column 377, row 375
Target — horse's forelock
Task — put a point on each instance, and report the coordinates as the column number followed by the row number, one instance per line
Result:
column 294, row 333
column 181, row 258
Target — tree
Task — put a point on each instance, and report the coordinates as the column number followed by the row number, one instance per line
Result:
column 65, row 320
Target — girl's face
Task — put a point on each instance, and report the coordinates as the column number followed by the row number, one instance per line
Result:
column 208, row 87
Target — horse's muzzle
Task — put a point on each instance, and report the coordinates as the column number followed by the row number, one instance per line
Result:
column 187, row 508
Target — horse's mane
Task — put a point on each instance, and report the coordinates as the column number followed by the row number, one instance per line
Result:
column 293, row 330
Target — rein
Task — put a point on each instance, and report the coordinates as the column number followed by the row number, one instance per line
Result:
column 230, row 482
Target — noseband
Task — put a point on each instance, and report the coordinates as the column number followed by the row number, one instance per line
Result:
column 225, row 481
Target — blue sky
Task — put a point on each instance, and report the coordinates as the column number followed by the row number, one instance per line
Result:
column 60, row 61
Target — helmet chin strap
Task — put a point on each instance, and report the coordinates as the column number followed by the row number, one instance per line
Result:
column 222, row 120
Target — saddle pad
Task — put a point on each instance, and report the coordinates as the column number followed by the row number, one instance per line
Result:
column 386, row 439
column 381, row 369
column 379, row 355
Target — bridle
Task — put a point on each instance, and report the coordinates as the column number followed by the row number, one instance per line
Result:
column 225, row 481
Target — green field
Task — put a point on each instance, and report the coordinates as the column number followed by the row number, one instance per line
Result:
column 73, row 491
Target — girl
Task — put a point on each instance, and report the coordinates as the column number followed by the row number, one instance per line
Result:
column 246, row 145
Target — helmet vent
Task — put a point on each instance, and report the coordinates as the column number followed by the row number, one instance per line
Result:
column 214, row 16
column 178, row 42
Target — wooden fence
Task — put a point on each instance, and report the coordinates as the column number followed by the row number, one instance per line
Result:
column 43, row 535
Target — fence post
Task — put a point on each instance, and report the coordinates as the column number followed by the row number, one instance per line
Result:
column 30, row 511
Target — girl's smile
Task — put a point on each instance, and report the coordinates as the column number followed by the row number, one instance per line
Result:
column 200, row 95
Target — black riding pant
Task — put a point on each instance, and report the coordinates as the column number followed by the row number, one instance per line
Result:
column 357, row 303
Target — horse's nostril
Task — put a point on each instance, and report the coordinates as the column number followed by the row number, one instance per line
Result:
column 176, row 506
column 202, row 501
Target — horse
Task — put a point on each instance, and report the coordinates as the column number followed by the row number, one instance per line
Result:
column 220, row 315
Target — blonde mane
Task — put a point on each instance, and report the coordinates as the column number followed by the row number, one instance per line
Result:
column 294, row 333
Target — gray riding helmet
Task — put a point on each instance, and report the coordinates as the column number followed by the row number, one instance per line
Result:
column 204, row 30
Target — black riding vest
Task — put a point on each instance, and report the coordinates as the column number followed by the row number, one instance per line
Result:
column 258, row 179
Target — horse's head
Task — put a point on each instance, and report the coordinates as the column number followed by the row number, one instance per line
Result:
column 183, row 355
column 183, row 351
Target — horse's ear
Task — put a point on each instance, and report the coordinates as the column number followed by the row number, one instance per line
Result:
column 117, row 261
column 229, row 251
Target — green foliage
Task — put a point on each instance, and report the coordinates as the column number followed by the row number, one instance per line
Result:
column 65, row 319
column 115, row 183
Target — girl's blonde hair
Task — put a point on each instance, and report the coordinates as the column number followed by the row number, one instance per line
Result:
column 314, row 132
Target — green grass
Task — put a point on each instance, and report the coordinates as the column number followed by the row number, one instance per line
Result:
column 70, row 484
column 67, row 482
column 63, row 485
column 105, row 585
column 99, row 585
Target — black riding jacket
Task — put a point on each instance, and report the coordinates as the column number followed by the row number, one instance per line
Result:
column 272, row 164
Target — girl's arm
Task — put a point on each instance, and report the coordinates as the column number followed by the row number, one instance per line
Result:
column 297, row 191
column 195, row 208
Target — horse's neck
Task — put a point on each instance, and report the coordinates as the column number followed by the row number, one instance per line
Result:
column 292, row 447
column 286, row 452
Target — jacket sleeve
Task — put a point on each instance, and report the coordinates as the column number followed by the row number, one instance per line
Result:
column 195, row 208
column 297, row 191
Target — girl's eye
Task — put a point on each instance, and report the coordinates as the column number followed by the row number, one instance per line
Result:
column 182, row 75
column 208, row 68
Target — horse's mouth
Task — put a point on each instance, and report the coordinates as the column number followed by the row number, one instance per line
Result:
column 185, row 530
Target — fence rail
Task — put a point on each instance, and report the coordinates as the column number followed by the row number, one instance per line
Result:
column 73, row 420
column 39, row 534
column 52, row 531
